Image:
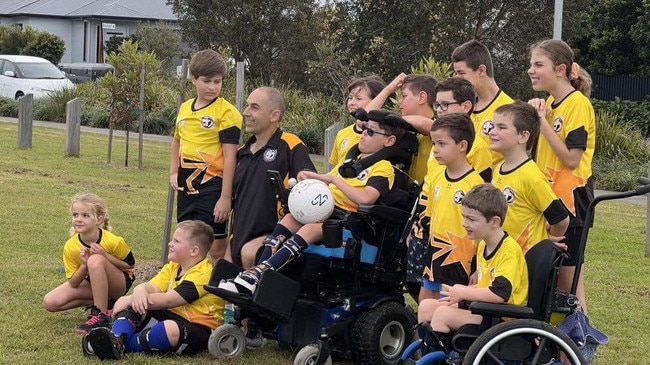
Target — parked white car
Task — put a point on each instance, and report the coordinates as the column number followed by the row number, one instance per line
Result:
column 22, row 75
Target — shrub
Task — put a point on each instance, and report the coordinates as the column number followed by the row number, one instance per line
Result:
column 633, row 113
column 46, row 45
column 616, row 140
column 618, row 175
column 53, row 107
column 9, row 107
column 96, row 116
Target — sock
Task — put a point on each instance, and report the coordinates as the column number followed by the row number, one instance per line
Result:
column 443, row 340
column 281, row 233
column 292, row 248
column 155, row 337
column 122, row 327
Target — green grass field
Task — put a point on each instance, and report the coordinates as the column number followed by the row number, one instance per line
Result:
column 34, row 221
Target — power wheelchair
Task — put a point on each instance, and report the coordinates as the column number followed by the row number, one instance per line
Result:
column 343, row 297
column 527, row 337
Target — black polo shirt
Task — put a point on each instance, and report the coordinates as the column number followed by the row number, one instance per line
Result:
column 255, row 209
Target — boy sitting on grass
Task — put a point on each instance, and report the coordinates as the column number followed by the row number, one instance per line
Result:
column 501, row 268
column 184, row 313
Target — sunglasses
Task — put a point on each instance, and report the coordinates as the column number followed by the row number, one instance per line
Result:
column 371, row 132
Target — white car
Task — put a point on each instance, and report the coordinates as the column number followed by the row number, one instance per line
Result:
column 22, row 75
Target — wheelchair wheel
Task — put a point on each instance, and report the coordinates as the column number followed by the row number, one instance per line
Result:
column 227, row 341
column 307, row 356
column 85, row 346
column 526, row 341
column 380, row 335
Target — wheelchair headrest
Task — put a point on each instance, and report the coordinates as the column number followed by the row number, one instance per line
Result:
column 385, row 117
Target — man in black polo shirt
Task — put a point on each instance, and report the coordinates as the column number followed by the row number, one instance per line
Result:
column 255, row 208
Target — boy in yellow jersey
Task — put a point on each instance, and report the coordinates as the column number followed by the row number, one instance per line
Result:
column 453, row 95
column 531, row 202
column 450, row 248
column 500, row 264
column 416, row 107
column 172, row 312
column 473, row 62
column 204, row 150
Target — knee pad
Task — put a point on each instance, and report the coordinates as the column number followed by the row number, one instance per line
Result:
column 154, row 339
column 129, row 314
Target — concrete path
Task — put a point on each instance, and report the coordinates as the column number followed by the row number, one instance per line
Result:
column 636, row 200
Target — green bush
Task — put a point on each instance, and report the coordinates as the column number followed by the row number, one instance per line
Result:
column 53, row 107
column 9, row 107
column 46, row 45
column 617, row 140
column 633, row 113
column 95, row 116
column 618, row 175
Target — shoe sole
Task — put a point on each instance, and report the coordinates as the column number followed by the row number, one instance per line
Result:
column 101, row 340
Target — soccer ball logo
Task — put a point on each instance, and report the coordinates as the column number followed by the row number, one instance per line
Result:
column 458, row 196
column 509, row 194
column 311, row 201
column 557, row 124
column 487, row 127
column 269, row 155
column 207, row 121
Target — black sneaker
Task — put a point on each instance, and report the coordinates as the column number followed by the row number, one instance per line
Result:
column 105, row 344
column 95, row 320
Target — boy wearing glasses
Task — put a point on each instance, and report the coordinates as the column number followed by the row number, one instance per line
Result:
column 290, row 238
column 473, row 62
column 451, row 250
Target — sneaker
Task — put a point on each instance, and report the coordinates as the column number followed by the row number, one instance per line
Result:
column 244, row 283
column 95, row 320
column 91, row 311
column 105, row 344
column 255, row 342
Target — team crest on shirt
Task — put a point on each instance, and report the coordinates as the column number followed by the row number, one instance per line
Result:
column 557, row 124
column 270, row 155
column 363, row 175
column 458, row 196
column 436, row 192
column 207, row 121
column 487, row 127
column 344, row 143
column 509, row 194
column 492, row 273
column 181, row 122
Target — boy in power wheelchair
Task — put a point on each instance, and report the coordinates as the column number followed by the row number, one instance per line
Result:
column 346, row 299
column 503, row 289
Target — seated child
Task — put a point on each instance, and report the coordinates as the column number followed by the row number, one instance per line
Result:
column 290, row 237
column 501, row 267
column 98, row 264
column 182, row 313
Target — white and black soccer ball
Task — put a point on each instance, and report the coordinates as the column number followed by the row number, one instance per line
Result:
column 311, row 201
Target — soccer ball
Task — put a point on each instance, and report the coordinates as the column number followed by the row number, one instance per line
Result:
column 311, row 201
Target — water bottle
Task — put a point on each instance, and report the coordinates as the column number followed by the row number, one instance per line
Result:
column 228, row 313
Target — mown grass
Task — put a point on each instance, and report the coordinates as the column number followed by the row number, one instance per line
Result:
column 37, row 186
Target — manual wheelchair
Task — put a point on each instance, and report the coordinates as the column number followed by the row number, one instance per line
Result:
column 528, row 337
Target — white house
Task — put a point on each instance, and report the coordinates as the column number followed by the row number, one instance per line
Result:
column 84, row 25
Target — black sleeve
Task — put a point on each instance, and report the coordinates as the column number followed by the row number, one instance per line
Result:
column 380, row 183
column 187, row 291
column 230, row 135
column 577, row 138
column 300, row 160
column 129, row 259
column 501, row 287
column 486, row 174
column 556, row 212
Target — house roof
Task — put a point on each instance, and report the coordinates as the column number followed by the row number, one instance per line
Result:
column 142, row 9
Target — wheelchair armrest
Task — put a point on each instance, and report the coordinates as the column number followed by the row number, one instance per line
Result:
column 385, row 213
column 501, row 310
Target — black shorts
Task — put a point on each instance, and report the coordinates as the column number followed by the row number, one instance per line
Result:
column 193, row 338
column 572, row 238
column 200, row 207
column 418, row 257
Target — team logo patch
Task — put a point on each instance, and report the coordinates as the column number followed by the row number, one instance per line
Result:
column 363, row 175
column 509, row 194
column 344, row 143
column 181, row 122
column 557, row 124
column 436, row 192
column 269, row 155
column 458, row 196
column 207, row 121
column 487, row 127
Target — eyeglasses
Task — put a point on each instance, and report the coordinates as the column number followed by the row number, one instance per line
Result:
column 371, row 132
column 445, row 104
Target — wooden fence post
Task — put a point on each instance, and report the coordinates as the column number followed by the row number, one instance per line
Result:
column 141, row 118
column 25, row 121
column 328, row 144
column 647, row 222
column 72, row 127
column 239, row 87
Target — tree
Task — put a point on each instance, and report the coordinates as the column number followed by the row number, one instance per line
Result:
column 161, row 39
column 46, row 45
column 112, row 45
column 275, row 38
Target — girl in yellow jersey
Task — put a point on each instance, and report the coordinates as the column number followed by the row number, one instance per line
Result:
column 568, row 137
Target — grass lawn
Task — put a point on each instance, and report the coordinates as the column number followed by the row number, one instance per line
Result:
column 34, row 222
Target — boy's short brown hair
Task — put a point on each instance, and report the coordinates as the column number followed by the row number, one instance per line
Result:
column 459, row 127
column 373, row 83
column 488, row 200
column 198, row 233
column 207, row 63
column 524, row 117
column 426, row 83
column 474, row 54
column 461, row 89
